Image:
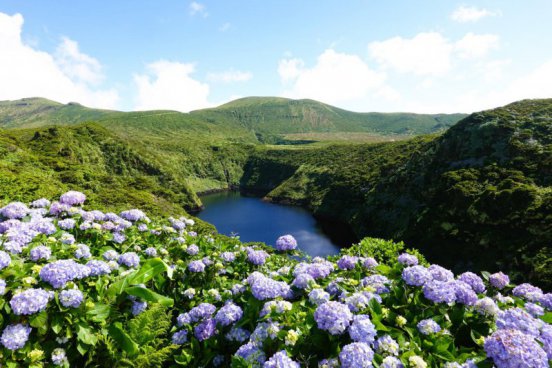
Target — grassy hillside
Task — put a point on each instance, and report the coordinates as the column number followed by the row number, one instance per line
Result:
column 478, row 196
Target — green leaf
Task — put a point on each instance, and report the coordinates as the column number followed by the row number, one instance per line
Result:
column 184, row 359
column 57, row 323
column 151, row 268
column 123, row 339
column 99, row 313
column 150, row 296
column 82, row 348
column 86, row 335
column 547, row 317
column 40, row 321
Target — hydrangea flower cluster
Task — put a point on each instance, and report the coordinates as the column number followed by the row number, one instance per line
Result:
column 30, row 301
column 333, row 317
column 285, row 243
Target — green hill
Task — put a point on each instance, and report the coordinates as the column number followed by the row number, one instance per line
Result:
column 478, row 196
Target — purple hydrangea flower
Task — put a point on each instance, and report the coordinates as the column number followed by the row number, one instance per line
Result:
column 71, row 298
column 517, row 318
column 257, row 257
column 545, row 299
column 82, row 252
column 317, row 270
column 528, row 291
column 228, row 256
column 151, row 252
column 196, row 266
column 356, row 355
column 237, row 334
column 14, row 337
column 60, row 272
column 333, row 317
column 5, row 259
column 534, row 309
column 407, row 259
column 499, row 280
column 386, row 345
column 473, row 280
column 2, row 287
column 180, row 337
column 228, row 314
column 416, row 275
column 285, row 243
column 201, row 311
column 57, row 208
column 487, row 307
column 138, row 307
column 440, row 292
column 378, row 282
column 328, row 363
column 264, row 287
column 347, row 262
column 129, row 259
column 29, row 301
column 357, row 301
column 67, row 224
column 43, row 226
column 119, row 238
column 362, row 329
column 252, row 353
column 98, row 268
column 510, row 348
column 465, row 294
column 370, row 263
column 14, row 210
column 281, row 360
column 67, row 238
column 192, row 250
column 110, row 255
column 59, row 356
column 40, row 203
column 302, row 281
column 205, row 329
column 428, row 326
column 133, row 215
column 40, row 252
column 319, row 296
column 72, row 198
column 546, row 339
column 391, row 362
column 440, row 273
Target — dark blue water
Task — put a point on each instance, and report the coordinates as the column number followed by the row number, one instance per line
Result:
column 255, row 220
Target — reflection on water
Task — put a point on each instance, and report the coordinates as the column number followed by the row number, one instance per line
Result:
column 255, row 220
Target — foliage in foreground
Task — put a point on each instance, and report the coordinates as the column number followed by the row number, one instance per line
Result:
column 87, row 288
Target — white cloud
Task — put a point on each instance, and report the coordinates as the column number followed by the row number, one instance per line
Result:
column 464, row 14
column 425, row 54
column 66, row 76
column 168, row 85
column 198, row 8
column 336, row 77
column 229, row 76
column 473, row 46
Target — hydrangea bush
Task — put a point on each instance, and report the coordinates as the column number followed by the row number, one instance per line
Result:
column 82, row 288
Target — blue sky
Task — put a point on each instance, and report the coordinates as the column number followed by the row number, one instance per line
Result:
column 420, row 56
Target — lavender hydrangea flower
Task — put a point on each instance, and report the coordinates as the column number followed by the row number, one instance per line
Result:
column 333, row 317
column 464, row 293
column 370, row 263
column 281, row 360
column 257, row 257
column 277, row 306
column 428, row 326
column 473, row 280
column 391, row 362
column 57, row 208
column 328, row 363
column 205, row 329
column 71, row 298
column 264, row 287
column 40, row 252
column 317, row 270
column 192, row 250
column 528, row 291
column 356, row 301
column 517, row 318
column 534, row 309
column 119, row 238
column 67, row 224
column 196, row 266
column 487, row 307
column 546, row 339
column 319, row 296
column 252, row 353
column 72, row 198
column 5, row 259
column 347, row 262
column 303, row 281
column 40, row 203
column 356, row 355
column 138, row 307
column 440, row 273
column 362, row 329
column 545, row 300
column 59, row 356
column 510, row 348
column 29, row 301
column 14, row 337
column 201, row 311
column 228, row 256
column 285, row 243
column 60, row 272
column 151, row 252
column 378, row 282
column 98, row 268
column 129, row 259
column 2, row 287
column 407, row 259
column 416, row 275
column 67, row 238
column 499, row 280
column 82, row 252
column 110, row 255
column 237, row 334
column 180, row 337
column 133, row 215
column 14, row 210
column 43, row 226
column 386, row 345
column 440, row 291
column 228, row 314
